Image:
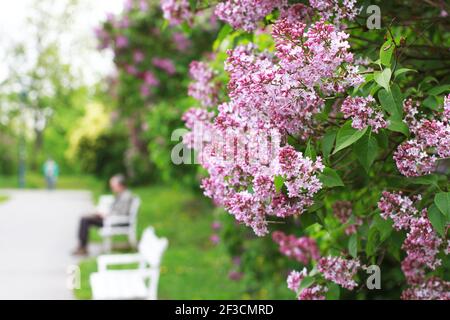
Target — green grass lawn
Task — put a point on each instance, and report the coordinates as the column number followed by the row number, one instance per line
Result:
column 37, row 181
column 3, row 198
column 192, row 267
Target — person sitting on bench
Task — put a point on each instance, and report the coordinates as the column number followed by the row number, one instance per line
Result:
column 121, row 206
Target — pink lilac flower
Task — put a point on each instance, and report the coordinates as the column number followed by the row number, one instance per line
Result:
column 123, row 23
column 181, row 41
column 138, row 56
column 413, row 160
column 432, row 288
column 144, row 90
column 215, row 239
column 176, row 11
column 216, row 225
column 302, row 249
column 434, row 134
column 103, row 38
column 164, row 64
column 364, row 113
column 235, row 275
column 295, row 278
column 150, row 79
column 418, row 156
column 343, row 211
column 338, row 10
column 339, row 270
column 244, row 147
column 143, row 5
column 245, row 14
column 421, row 246
column 128, row 5
column 199, row 121
column 399, row 208
column 131, row 70
column 121, row 42
column 297, row 12
column 411, row 111
column 446, row 113
column 203, row 88
column 314, row 292
column 110, row 17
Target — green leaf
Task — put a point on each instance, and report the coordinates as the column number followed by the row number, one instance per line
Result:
column 316, row 206
column 306, row 282
column 392, row 101
column 347, row 135
column 437, row 219
column 386, row 51
column 383, row 78
column 225, row 31
column 333, row 292
column 398, row 126
column 193, row 5
column 402, row 71
column 366, row 150
column 373, row 239
column 439, row 89
column 330, row 178
column 383, row 226
column 442, row 201
column 382, row 138
column 430, row 179
column 279, row 182
column 310, row 152
column 431, row 102
column 353, row 245
column 327, row 143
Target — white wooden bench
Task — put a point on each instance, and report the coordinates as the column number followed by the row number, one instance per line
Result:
column 115, row 225
column 140, row 283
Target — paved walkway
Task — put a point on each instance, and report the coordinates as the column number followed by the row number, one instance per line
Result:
column 37, row 233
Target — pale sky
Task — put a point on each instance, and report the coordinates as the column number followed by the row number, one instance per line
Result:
column 77, row 43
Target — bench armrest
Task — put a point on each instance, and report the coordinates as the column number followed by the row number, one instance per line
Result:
column 117, row 259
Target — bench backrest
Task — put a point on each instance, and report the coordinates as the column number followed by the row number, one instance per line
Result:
column 133, row 214
column 151, row 247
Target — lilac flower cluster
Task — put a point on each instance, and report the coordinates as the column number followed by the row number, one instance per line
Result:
column 271, row 95
column 343, row 211
column 421, row 244
column 285, row 90
column 132, row 59
column 176, row 11
column 203, row 88
column 399, row 208
column 418, row 156
column 364, row 113
column 314, row 292
column 245, row 14
column 302, row 249
column 432, row 288
column 339, row 270
column 164, row 64
column 338, row 10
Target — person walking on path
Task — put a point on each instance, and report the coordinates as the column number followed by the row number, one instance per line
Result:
column 51, row 172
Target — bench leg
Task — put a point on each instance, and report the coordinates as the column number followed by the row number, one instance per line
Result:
column 107, row 244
